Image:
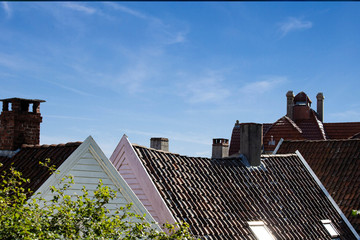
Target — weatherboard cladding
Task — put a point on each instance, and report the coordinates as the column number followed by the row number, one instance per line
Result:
column 337, row 164
column 218, row 197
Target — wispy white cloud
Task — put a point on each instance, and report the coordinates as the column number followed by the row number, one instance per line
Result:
column 7, row 9
column 79, row 7
column 16, row 62
column 124, row 9
column 293, row 24
column 70, row 117
column 349, row 115
column 263, row 86
column 164, row 32
column 74, row 90
column 133, row 77
column 205, row 89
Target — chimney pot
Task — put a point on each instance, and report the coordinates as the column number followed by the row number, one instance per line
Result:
column 320, row 106
column 160, row 143
column 220, row 148
column 289, row 104
column 251, row 141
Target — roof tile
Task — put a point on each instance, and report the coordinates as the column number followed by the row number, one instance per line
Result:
column 222, row 195
column 337, row 164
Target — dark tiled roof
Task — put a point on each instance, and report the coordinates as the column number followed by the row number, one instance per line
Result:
column 342, row 130
column 27, row 161
column 356, row 136
column 337, row 164
column 218, row 197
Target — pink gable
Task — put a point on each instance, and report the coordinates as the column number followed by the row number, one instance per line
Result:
column 131, row 169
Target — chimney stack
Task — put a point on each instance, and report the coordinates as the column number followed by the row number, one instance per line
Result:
column 160, row 144
column 320, row 106
column 290, row 104
column 251, row 141
column 19, row 123
column 220, row 148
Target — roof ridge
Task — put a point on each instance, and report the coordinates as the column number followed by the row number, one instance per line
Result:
column 324, row 140
column 138, row 145
column 68, row 144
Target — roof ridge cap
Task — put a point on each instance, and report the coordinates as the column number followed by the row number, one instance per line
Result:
column 68, row 144
column 323, row 140
column 158, row 150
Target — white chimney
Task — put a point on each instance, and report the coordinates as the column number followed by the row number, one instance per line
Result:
column 160, row 144
column 220, row 148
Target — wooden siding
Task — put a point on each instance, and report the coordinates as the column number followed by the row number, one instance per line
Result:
column 130, row 168
column 88, row 165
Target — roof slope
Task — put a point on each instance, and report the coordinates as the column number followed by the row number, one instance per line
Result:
column 282, row 128
column 218, row 197
column 337, row 164
column 28, row 158
column 342, row 130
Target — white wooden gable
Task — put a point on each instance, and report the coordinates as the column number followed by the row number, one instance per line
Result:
column 87, row 164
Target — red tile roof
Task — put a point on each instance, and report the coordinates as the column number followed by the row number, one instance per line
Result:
column 27, row 161
column 218, row 197
column 235, row 139
column 283, row 128
column 337, row 164
column 312, row 128
column 305, row 119
column 342, row 130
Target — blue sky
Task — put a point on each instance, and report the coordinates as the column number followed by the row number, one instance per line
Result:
column 185, row 70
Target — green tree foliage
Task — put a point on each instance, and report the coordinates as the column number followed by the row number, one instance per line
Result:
column 72, row 217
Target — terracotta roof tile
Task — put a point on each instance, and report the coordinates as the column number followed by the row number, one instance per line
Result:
column 218, row 197
column 337, row 164
column 283, row 128
column 342, row 130
column 27, row 161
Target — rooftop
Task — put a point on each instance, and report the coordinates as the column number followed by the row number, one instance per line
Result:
column 337, row 164
column 219, row 197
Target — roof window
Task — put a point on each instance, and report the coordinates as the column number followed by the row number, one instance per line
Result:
column 260, row 231
column 330, row 228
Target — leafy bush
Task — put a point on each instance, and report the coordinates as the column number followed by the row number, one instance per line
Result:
column 72, row 217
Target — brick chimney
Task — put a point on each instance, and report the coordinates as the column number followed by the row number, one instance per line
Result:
column 19, row 123
column 320, row 106
column 290, row 104
column 302, row 107
column 220, row 148
column 160, row 144
column 251, row 141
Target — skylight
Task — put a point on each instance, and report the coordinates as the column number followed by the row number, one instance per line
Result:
column 260, row 231
column 330, row 228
